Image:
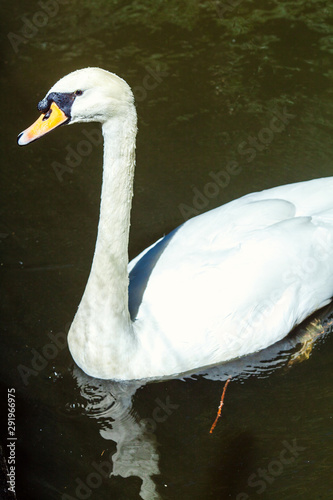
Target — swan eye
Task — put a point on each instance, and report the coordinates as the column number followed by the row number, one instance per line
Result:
column 78, row 92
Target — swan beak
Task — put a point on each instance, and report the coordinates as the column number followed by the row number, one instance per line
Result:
column 53, row 118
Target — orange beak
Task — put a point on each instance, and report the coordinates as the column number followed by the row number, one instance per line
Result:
column 48, row 121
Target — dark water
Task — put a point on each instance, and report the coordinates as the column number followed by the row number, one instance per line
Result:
column 209, row 78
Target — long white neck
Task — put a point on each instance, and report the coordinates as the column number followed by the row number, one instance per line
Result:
column 101, row 336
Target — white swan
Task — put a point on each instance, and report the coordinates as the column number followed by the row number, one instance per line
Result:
column 226, row 283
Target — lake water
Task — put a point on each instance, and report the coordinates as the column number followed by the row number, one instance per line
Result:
column 211, row 81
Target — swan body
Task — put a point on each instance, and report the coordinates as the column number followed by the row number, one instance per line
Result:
column 224, row 284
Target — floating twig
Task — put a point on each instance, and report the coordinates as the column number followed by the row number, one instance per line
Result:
column 220, row 407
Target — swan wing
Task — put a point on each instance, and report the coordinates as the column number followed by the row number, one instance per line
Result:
column 238, row 278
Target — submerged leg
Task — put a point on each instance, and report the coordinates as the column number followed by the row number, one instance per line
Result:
column 314, row 330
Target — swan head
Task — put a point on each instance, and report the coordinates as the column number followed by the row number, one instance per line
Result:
column 86, row 95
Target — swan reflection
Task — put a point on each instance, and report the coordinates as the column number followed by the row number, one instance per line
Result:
column 110, row 403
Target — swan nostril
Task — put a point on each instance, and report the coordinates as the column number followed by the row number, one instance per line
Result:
column 47, row 114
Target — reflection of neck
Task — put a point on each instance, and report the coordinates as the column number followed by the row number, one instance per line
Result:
column 102, row 333
column 112, row 407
